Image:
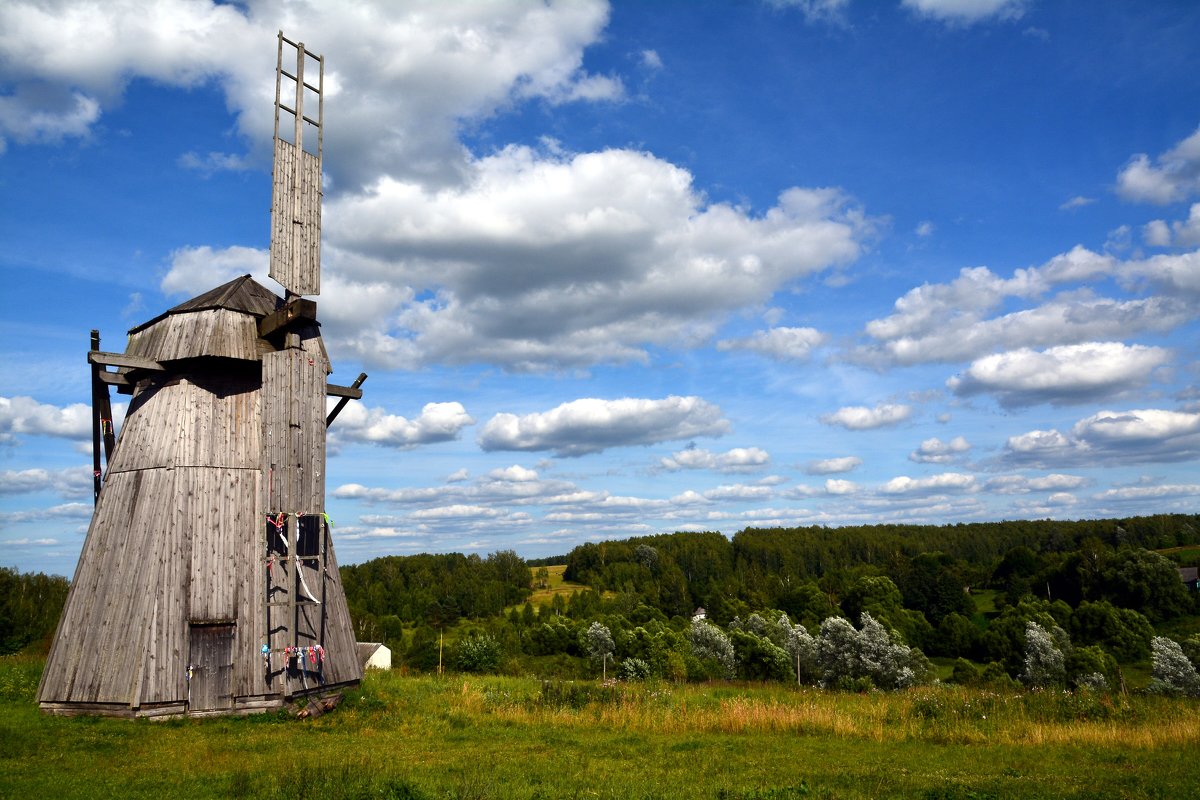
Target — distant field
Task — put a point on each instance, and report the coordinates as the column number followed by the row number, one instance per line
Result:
column 493, row 737
column 1184, row 555
column 556, row 586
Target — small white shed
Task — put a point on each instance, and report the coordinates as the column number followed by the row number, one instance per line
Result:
column 374, row 655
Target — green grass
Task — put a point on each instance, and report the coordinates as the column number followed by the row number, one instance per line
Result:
column 1187, row 555
column 556, row 585
column 494, row 737
column 985, row 600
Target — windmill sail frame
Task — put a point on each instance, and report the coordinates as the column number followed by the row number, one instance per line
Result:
column 296, row 179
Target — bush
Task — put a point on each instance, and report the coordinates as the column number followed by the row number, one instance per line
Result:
column 633, row 669
column 965, row 673
column 1171, row 671
column 478, row 654
column 849, row 657
column 1121, row 631
column 760, row 659
column 1092, row 668
column 1045, row 663
column 801, row 648
column 709, row 643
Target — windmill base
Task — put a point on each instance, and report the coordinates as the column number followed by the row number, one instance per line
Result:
column 301, row 702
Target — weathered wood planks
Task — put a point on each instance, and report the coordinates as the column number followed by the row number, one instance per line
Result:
column 296, row 220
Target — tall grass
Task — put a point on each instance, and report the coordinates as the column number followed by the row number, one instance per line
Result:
column 498, row 737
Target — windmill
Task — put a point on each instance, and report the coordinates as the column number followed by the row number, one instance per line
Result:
column 208, row 583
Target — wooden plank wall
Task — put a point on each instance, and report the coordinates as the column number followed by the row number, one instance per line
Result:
column 193, row 420
column 172, row 539
column 341, row 661
column 223, row 517
column 296, row 260
column 178, row 536
column 122, row 625
column 219, row 332
column 293, row 432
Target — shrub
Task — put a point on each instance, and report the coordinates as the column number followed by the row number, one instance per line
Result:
column 633, row 669
column 1045, row 663
column 801, row 648
column 1092, row 668
column 1171, row 671
column 965, row 673
column 759, row 658
column 710, row 643
column 847, row 655
column 478, row 654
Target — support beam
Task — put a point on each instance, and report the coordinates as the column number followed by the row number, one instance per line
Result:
column 117, row 379
column 297, row 309
column 348, row 392
column 354, row 392
column 102, row 421
column 96, row 387
column 120, row 359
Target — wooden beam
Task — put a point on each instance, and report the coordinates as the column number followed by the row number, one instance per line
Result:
column 117, row 379
column 107, row 429
column 298, row 309
column 96, row 388
column 348, row 392
column 121, row 360
column 351, row 392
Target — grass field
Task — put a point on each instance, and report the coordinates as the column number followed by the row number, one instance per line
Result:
column 492, row 737
column 555, row 585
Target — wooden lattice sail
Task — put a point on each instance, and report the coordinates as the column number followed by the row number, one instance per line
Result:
column 208, row 582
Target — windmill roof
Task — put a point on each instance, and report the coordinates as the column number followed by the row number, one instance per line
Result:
column 242, row 294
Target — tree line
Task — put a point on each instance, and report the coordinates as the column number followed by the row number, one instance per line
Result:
column 1095, row 588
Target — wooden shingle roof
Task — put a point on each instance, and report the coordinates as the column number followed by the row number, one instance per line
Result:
column 242, row 294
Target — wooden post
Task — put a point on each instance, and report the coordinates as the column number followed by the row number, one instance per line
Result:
column 358, row 382
column 293, row 584
column 95, row 420
column 298, row 164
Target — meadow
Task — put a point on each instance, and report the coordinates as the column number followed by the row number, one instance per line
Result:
column 506, row 737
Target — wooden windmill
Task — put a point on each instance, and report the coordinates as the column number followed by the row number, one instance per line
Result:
column 208, row 583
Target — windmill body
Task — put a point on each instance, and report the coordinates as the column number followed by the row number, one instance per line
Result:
column 208, row 582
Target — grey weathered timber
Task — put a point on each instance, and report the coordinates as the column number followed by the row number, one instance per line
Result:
column 346, row 393
column 296, row 179
column 208, row 582
column 298, row 310
column 177, row 542
column 122, row 360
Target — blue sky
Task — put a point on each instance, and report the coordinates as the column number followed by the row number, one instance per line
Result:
column 640, row 267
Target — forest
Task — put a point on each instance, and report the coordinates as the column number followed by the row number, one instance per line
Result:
column 865, row 606
column 955, row 601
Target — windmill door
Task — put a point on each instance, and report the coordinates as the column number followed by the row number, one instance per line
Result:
column 210, row 654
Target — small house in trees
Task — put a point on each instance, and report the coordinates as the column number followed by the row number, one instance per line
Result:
column 1190, row 577
column 374, row 655
column 208, row 583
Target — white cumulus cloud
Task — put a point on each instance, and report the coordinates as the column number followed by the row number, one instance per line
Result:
column 935, row 451
column 1112, row 437
column 832, row 466
column 24, row 415
column 739, row 459
column 934, row 484
column 591, row 425
column 1173, row 176
column 438, row 422
column 966, row 12
column 781, row 344
column 1077, row 373
column 545, row 260
column 862, row 418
